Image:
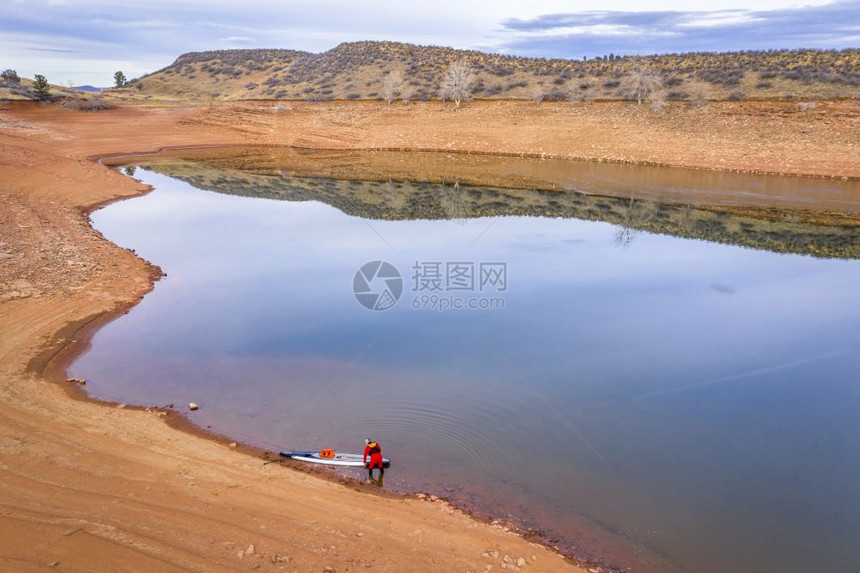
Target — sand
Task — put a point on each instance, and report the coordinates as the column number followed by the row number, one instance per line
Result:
column 92, row 486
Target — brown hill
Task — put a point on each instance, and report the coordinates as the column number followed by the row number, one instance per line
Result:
column 358, row 71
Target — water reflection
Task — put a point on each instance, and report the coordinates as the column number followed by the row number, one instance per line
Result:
column 769, row 229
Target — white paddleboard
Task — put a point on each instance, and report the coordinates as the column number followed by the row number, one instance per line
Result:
column 338, row 459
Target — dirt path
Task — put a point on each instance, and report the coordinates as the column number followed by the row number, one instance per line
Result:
column 87, row 486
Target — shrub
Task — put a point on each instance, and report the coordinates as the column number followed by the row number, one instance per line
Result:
column 79, row 103
column 698, row 95
column 10, row 76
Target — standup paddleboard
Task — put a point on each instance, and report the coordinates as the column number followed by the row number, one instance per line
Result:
column 331, row 458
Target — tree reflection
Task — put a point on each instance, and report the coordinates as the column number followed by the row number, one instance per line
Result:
column 635, row 215
column 453, row 201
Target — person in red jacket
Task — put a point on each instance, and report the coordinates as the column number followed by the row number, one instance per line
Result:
column 373, row 450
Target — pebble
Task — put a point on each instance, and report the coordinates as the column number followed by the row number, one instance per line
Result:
column 234, row 445
column 507, row 559
column 76, row 381
column 192, row 406
column 250, row 550
column 521, row 562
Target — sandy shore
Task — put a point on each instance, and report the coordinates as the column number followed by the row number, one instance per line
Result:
column 92, row 486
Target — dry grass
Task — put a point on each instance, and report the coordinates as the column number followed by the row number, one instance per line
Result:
column 357, row 71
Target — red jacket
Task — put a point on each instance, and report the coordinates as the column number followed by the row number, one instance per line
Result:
column 372, row 449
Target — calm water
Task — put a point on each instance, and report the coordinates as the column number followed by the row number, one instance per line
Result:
column 672, row 404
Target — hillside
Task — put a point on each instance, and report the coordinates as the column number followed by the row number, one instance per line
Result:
column 357, row 71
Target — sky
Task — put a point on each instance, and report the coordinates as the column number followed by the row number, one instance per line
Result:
column 81, row 42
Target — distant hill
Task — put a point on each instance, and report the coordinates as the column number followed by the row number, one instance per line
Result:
column 357, row 71
column 88, row 88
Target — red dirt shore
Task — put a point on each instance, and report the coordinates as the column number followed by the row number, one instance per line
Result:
column 90, row 486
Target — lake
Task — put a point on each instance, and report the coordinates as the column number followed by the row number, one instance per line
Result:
column 658, row 385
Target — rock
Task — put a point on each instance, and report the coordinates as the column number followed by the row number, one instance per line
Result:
column 507, row 559
column 329, row 569
column 76, row 381
column 250, row 550
column 192, row 406
column 434, row 498
column 234, row 445
column 521, row 562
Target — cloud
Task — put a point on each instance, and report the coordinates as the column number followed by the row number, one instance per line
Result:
column 572, row 35
column 238, row 40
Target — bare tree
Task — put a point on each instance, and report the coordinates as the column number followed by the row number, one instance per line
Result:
column 392, row 85
column 642, row 81
column 458, row 82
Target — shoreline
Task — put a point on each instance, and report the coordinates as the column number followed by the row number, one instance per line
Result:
column 70, row 325
column 108, row 159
